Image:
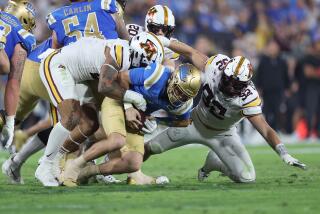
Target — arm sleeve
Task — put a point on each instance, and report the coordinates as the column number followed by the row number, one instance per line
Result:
column 136, row 76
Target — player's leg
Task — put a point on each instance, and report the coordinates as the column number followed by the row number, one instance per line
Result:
column 113, row 122
column 230, row 157
column 60, row 86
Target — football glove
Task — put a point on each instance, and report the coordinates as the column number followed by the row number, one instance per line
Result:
column 7, row 133
column 288, row 159
column 150, row 125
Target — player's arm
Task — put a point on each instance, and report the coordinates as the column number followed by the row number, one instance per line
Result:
column 121, row 27
column 55, row 43
column 273, row 140
column 197, row 58
column 112, row 85
column 11, row 96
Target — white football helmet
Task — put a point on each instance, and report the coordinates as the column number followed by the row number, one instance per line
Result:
column 146, row 49
column 236, row 76
column 160, row 17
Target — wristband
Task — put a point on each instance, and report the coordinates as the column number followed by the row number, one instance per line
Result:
column 281, row 149
column 127, row 106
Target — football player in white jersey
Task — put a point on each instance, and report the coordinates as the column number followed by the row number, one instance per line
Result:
column 228, row 97
column 160, row 21
column 62, row 69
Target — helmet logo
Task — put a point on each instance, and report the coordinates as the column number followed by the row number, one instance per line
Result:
column 150, row 48
column 151, row 13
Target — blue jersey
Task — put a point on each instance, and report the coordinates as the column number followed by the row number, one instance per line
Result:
column 84, row 19
column 152, row 82
column 15, row 34
column 34, row 55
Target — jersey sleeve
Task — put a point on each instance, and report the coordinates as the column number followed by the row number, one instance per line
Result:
column 134, row 29
column 120, row 52
column 27, row 40
column 216, row 62
column 109, row 6
column 141, row 76
column 252, row 104
column 51, row 20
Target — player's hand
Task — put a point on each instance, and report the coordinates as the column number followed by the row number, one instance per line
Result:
column 133, row 118
column 150, row 125
column 288, row 159
column 136, row 99
column 6, row 136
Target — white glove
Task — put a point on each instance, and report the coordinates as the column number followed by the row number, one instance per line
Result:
column 6, row 136
column 150, row 126
column 288, row 159
column 136, row 99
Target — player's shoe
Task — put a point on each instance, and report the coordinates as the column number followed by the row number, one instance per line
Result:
column 202, row 175
column 71, row 174
column 45, row 174
column 12, row 170
column 158, row 180
column 20, row 138
column 108, row 179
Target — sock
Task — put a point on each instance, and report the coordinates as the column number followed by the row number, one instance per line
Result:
column 62, row 151
column 56, row 138
column 31, row 147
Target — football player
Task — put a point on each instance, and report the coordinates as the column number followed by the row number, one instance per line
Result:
column 160, row 21
column 228, row 97
column 16, row 42
column 32, row 87
column 172, row 92
column 61, row 70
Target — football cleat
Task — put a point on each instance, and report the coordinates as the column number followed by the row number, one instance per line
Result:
column 162, row 180
column 45, row 174
column 12, row 170
column 108, row 179
column 202, row 175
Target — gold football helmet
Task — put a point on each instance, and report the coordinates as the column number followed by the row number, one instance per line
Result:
column 24, row 11
column 184, row 84
column 121, row 4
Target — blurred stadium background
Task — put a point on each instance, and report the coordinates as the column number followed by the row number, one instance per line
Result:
column 280, row 37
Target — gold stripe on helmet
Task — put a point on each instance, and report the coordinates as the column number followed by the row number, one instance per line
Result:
column 165, row 9
column 236, row 72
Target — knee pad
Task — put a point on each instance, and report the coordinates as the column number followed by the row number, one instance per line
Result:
column 44, row 135
column 244, row 177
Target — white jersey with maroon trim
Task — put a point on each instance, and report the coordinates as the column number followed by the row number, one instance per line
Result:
column 217, row 111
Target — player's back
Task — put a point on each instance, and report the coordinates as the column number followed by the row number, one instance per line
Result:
column 14, row 34
column 85, row 57
column 84, row 19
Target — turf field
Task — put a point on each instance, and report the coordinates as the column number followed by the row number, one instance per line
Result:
column 278, row 189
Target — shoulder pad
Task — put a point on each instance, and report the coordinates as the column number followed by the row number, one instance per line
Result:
column 120, row 52
column 216, row 62
column 250, row 97
column 28, row 40
column 134, row 29
column 109, row 5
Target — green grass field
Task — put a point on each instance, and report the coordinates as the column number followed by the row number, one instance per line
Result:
column 278, row 189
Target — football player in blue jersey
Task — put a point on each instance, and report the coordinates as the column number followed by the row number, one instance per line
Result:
column 97, row 18
column 16, row 42
column 162, row 89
